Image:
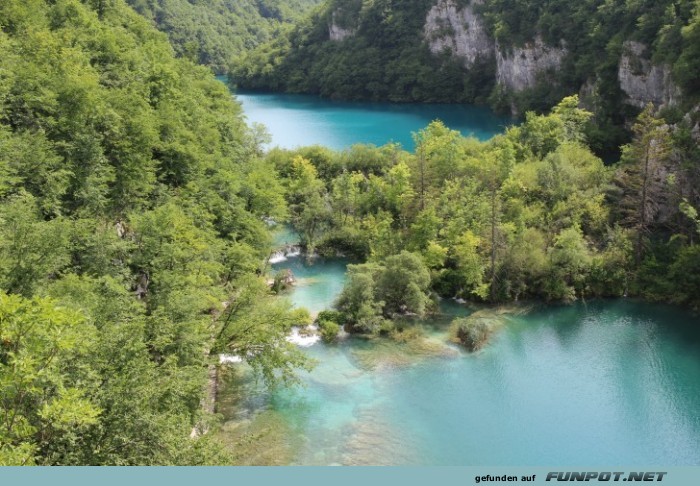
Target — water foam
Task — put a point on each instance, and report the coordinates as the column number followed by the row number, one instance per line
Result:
column 285, row 254
column 304, row 340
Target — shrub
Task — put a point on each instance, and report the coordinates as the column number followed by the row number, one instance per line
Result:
column 472, row 333
column 329, row 324
column 329, row 330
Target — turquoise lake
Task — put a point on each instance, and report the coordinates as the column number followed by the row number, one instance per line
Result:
column 599, row 383
column 299, row 120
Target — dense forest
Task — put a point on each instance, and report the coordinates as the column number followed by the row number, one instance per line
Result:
column 380, row 50
column 385, row 59
column 135, row 214
column 132, row 230
column 214, row 32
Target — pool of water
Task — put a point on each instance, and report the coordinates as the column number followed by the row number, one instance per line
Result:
column 600, row 383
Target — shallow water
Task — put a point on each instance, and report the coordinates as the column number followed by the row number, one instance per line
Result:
column 608, row 382
column 318, row 281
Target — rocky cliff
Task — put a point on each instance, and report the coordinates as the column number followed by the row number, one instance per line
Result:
column 519, row 68
column 461, row 30
column 336, row 32
column 644, row 82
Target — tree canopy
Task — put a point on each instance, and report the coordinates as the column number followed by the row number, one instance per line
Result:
column 133, row 209
column 530, row 214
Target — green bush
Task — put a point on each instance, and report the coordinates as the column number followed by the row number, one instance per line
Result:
column 282, row 281
column 407, row 334
column 472, row 333
column 328, row 328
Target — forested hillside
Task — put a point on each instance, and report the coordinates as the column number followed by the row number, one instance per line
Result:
column 132, row 207
column 213, row 32
column 512, row 54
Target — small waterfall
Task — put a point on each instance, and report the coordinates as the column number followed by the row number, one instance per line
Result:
column 309, row 338
column 282, row 255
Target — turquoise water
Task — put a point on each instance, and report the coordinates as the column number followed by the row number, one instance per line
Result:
column 299, row 120
column 284, row 236
column 603, row 383
column 318, row 282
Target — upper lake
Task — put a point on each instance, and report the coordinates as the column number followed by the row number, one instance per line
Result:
column 301, row 120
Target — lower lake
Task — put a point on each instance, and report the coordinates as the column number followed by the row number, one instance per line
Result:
column 590, row 384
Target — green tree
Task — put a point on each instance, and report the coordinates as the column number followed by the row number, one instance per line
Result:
column 43, row 398
column 492, row 171
column 641, row 176
column 255, row 325
column 307, row 201
column 31, row 250
column 358, row 301
column 570, row 262
column 403, row 285
column 470, row 266
column 691, row 213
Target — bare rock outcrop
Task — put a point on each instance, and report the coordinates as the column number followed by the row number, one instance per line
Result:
column 644, row 82
column 462, row 31
column 519, row 68
column 336, row 32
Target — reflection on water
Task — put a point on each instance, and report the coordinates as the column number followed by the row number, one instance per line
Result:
column 318, row 281
column 608, row 382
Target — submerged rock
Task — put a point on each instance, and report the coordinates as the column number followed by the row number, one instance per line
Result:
column 266, row 439
column 389, row 353
column 372, row 440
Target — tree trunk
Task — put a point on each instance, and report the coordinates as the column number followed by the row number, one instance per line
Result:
column 643, row 207
column 493, row 245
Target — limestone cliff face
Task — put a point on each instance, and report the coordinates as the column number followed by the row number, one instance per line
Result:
column 336, row 32
column 460, row 30
column 644, row 82
column 452, row 26
column 464, row 33
column 520, row 67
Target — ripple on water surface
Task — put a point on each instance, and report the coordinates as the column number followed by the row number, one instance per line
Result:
column 611, row 382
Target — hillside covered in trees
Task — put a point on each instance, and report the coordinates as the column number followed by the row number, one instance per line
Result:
column 132, row 207
column 214, row 32
column 515, row 55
